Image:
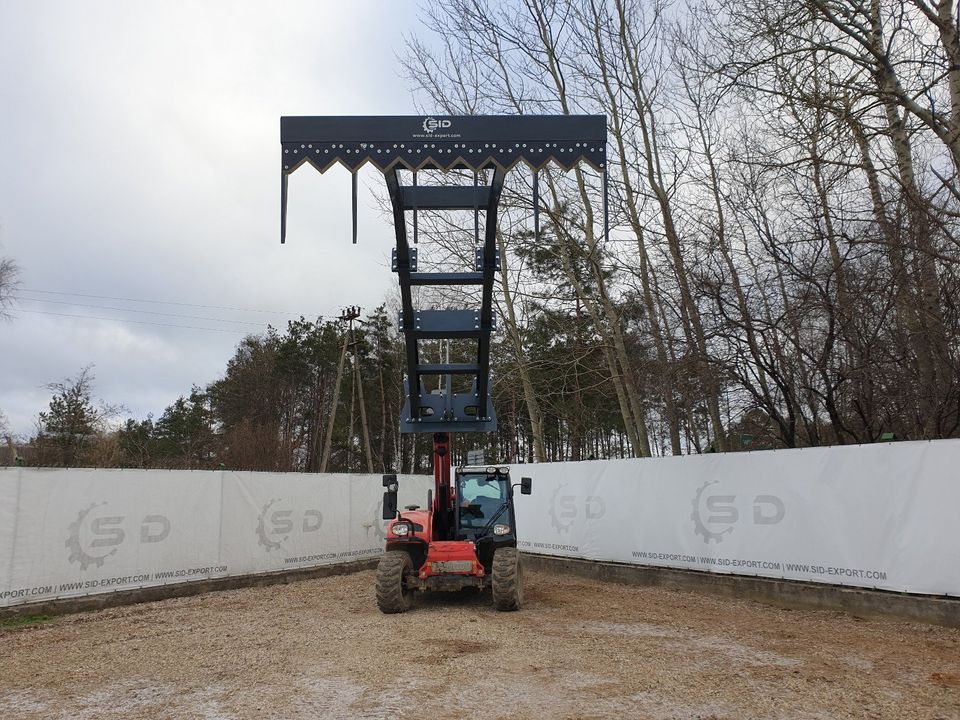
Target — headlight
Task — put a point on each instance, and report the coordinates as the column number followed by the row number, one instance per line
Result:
column 400, row 529
column 501, row 529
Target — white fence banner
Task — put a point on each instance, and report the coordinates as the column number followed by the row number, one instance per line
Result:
column 72, row 532
column 876, row 516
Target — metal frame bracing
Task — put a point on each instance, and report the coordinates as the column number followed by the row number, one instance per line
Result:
column 479, row 143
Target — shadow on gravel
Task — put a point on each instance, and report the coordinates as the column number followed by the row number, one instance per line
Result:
column 460, row 599
column 539, row 593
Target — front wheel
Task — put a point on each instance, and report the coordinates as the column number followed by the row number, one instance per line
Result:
column 507, row 579
column 393, row 594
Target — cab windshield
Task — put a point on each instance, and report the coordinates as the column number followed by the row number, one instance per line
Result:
column 480, row 497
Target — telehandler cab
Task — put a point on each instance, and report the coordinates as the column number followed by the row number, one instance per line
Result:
column 466, row 535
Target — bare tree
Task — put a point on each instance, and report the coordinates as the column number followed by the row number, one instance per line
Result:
column 9, row 282
column 74, row 418
column 784, row 209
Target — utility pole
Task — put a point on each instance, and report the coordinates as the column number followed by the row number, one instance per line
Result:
column 348, row 315
column 358, row 381
column 351, row 432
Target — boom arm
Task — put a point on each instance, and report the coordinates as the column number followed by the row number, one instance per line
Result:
column 444, row 496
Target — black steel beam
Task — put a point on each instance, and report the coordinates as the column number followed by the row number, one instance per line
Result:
column 461, row 278
column 449, row 369
column 490, row 263
column 472, row 142
column 446, row 324
column 460, row 129
column 403, row 271
column 444, row 197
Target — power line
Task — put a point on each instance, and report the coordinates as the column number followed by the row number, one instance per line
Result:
column 138, row 322
column 145, row 312
column 158, row 302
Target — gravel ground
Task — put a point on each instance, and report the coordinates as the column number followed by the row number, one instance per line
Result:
column 320, row 649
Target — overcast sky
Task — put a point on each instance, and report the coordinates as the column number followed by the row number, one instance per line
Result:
column 139, row 159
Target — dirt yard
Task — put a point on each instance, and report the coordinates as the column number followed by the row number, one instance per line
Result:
column 320, row 649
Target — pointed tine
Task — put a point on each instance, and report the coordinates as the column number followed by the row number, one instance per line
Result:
column 354, row 187
column 536, row 206
column 606, row 209
column 283, row 207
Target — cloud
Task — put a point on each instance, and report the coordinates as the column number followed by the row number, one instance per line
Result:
column 139, row 158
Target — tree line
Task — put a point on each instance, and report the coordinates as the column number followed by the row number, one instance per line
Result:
column 280, row 407
column 782, row 267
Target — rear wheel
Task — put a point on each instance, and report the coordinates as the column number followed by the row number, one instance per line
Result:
column 507, row 579
column 393, row 594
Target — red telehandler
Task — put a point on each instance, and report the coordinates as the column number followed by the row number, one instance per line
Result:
column 466, row 535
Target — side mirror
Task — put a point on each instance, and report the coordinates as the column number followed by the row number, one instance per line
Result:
column 390, row 482
column 389, row 505
column 526, row 486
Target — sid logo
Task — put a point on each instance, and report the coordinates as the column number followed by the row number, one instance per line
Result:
column 715, row 515
column 565, row 509
column 275, row 526
column 430, row 124
column 93, row 537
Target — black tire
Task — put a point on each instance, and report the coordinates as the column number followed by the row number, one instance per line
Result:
column 507, row 579
column 393, row 594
